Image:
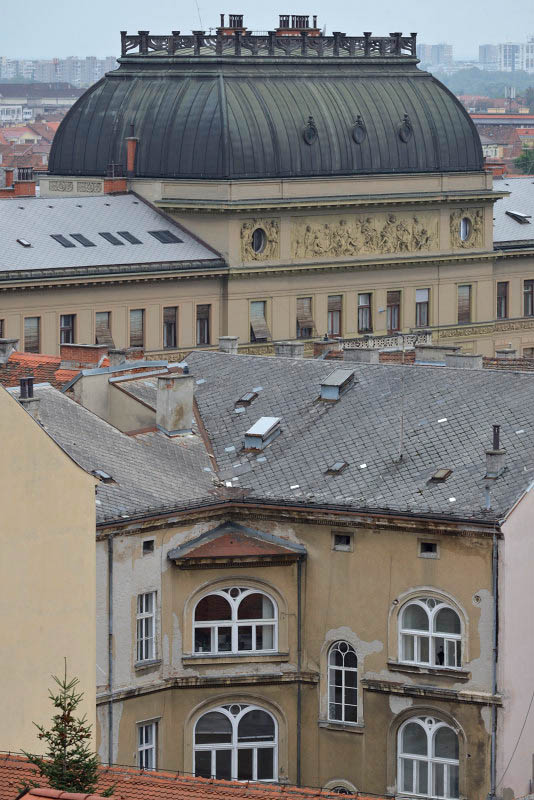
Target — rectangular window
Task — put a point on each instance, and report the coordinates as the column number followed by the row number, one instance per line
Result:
column 305, row 323
column 1, row 328
column 528, row 352
column 170, row 317
column 259, row 332
column 334, row 315
column 393, row 311
column 502, row 300
column 103, row 328
column 66, row 328
column 146, row 626
column 32, row 334
column 422, row 298
column 137, row 327
column 528, row 299
column 464, row 304
column 147, row 734
column 365, row 319
column 203, row 324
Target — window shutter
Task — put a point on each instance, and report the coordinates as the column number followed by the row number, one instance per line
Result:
column 258, row 323
column 169, row 316
column 334, row 302
column 31, row 334
column 102, row 328
column 304, row 312
column 421, row 295
column 393, row 298
column 203, row 312
column 137, row 327
column 464, row 304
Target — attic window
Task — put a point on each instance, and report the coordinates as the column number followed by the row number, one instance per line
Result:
column 428, row 549
column 24, row 242
column 440, row 475
column 62, row 240
column 103, row 476
column 165, row 237
column 336, row 468
column 110, row 238
column 342, row 541
column 524, row 219
column 129, row 237
column 247, row 399
column 83, row 239
column 333, row 386
column 262, row 433
column 148, row 547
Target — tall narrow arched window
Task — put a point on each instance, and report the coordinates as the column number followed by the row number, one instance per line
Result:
column 430, row 634
column 235, row 620
column 236, row 742
column 342, row 683
column 428, row 759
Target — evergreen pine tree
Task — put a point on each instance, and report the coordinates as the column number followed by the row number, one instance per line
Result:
column 69, row 763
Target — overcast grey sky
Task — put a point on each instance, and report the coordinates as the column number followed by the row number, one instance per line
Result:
column 48, row 28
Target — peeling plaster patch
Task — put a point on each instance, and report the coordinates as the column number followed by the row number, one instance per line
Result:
column 398, row 704
column 176, row 643
column 485, row 713
column 179, row 538
column 102, row 723
column 362, row 648
column 480, row 668
column 165, row 650
column 117, row 715
column 385, row 674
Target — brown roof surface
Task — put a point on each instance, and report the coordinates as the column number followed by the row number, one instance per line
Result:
column 45, row 369
column 134, row 784
column 235, row 544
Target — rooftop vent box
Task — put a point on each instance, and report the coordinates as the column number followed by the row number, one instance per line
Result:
column 262, row 433
column 336, row 383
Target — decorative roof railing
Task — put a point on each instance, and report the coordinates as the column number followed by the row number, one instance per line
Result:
column 199, row 43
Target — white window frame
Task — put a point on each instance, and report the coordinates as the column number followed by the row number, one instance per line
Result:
column 344, row 670
column 430, row 726
column 235, row 746
column 145, row 747
column 431, row 606
column 234, row 623
column 146, row 627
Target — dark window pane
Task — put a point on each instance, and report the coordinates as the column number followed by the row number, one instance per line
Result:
column 224, row 640
column 244, row 765
column 407, row 774
column 203, row 763
column 109, row 237
column 255, row 606
column 137, row 327
column 213, row 608
column 32, row 334
column 62, row 240
column 447, row 621
column 213, row 728
column 351, row 713
column 256, row 726
column 415, row 618
column 446, row 744
column 244, row 637
column 165, row 237
column 129, row 237
column 464, row 304
column 203, row 640
column 414, row 739
column 265, row 764
column 83, row 240
column 223, row 765
column 265, row 637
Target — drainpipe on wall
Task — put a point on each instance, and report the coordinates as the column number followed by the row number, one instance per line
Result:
column 299, row 665
column 493, row 764
column 110, row 649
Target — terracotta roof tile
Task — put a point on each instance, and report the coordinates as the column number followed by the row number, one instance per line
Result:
column 44, row 368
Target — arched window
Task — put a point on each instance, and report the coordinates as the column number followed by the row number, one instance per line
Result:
column 235, row 620
column 342, row 683
column 236, row 742
column 428, row 761
column 430, row 634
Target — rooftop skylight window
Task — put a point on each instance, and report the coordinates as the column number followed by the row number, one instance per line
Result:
column 109, row 237
column 336, row 468
column 247, row 399
column 130, row 238
column 165, row 237
column 440, row 475
column 82, row 239
column 103, row 476
column 524, row 219
column 24, row 242
column 62, row 240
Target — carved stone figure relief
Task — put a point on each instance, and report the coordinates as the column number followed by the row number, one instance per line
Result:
column 467, row 228
column 355, row 235
column 260, row 240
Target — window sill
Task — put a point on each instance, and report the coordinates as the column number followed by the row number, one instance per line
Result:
column 140, row 665
column 446, row 672
column 349, row 727
column 235, row 658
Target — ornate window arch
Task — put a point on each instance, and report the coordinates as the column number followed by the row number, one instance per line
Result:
column 342, row 683
column 235, row 619
column 430, row 633
column 236, row 742
column 428, row 759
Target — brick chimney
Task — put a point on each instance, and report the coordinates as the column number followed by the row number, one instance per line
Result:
column 495, row 458
column 289, row 349
column 79, row 356
column 27, row 399
column 174, row 404
column 7, row 346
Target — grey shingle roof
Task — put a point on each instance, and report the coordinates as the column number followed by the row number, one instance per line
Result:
column 448, row 414
column 521, row 198
column 35, row 219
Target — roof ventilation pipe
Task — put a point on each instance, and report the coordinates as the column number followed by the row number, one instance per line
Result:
column 228, row 344
column 26, row 398
column 495, row 458
column 174, row 404
column 7, row 346
column 336, row 384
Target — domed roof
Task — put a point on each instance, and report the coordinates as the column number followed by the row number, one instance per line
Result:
column 260, row 107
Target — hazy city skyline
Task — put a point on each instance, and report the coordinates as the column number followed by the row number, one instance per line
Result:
column 68, row 27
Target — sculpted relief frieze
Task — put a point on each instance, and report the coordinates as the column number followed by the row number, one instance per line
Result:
column 260, row 240
column 467, row 228
column 61, row 186
column 362, row 235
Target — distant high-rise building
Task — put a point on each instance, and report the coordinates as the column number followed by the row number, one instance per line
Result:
column 435, row 55
column 488, row 56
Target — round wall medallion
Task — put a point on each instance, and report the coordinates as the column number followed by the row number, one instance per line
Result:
column 310, row 132
column 405, row 129
column 259, row 240
column 465, row 229
column 359, row 131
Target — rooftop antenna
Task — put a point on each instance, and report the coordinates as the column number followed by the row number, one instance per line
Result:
column 199, row 17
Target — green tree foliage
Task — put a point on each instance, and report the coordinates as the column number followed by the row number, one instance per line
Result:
column 525, row 162
column 484, row 82
column 69, row 763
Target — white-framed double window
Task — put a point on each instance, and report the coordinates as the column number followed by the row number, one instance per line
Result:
column 236, row 742
column 430, row 634
column 235, row 619
column 428, row 759
column 147, row 745
column 342, row 683
column 146, row 626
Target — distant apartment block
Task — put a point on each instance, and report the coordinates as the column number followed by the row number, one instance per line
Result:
column 508, row 56
column 74, row 70
column 435, row 55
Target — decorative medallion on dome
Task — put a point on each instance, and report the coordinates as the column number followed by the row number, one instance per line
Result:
column 310, row 132
column 260, row 240
column 405, row 129
column 359, row 131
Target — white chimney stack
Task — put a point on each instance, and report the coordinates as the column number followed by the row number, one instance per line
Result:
column 7, row 346
column 174, row 405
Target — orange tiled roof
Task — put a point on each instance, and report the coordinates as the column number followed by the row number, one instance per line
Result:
column 134, row 784
column 45, row 369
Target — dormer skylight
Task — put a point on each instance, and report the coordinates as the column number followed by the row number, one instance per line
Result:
column 336, row 468
column 333, row 386
column 440, row 475
column 524, row 219
column 262, row 433
column 24, row 242
column 246, row 399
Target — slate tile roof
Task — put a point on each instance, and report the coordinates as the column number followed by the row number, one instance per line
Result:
column 134, row 784
column 521, row 198
column 44, row 368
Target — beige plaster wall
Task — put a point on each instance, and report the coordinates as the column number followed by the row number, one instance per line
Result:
column 47, row 576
